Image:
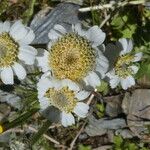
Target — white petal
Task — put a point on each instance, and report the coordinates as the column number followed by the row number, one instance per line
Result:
column 60, row 28
column 1, row 27
column 82, row 95
column 7, row 76
column 72, row 86
column 26, row 57
column 67, row 119
column 53, row 35
column 43, row 61
column 47, row 75
column 81, row 109
column 114, row 79
column 49, row 45
column 92, row 79
column 96, row 35
column 137, row 57
column 28, row 49
column 6, row 26
column 131, row 80
column 134, row 69
column 57, row 84
column 44, row 103
column 124, row 45
column 103, row 61
column 78, row 29
column 114, row 82
column 111, row 74
column 127, row 83
column 130, row 45
column 43, row 85
column 18, row 31
column 19, row 71
column 28, row 37
column 102, row 65
column 101, row 70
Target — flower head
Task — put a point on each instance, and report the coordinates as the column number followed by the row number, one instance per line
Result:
column 75, row 55
column 124, row 68
column 64, row 95
column 14, row 49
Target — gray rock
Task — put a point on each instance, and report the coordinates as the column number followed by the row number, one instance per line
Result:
column 125, row 133
column 106, row 147
column 137, row 108
column 79, row 2
column 4, row 111
column 83, row 136
column 4, row 137
column 100, row 127
column 64, row 14
column 144, row 81
column 138, row 104
column 113, row 105
column 11, row 99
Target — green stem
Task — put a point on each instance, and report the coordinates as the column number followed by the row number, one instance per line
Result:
column 41, row 131
column 29, row 12
column 20, row 120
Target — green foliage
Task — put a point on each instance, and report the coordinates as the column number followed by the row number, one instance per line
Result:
column 126, row 144
column 42, row 144
column 145, row 65
column 95, row 18
column 123, row 25
column 103, row 88
column 3, row 6
column 101, row 110
column 29, row 12
column 83, row 147
column 118, row 141
column 40, row 132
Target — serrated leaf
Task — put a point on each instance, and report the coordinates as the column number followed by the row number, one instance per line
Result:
column 118, row 141
column 124, row 25
column 103, row 88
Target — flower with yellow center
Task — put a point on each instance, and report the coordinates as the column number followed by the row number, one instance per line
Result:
column 75, row 55
column 64, row 95
column 14, row 49
column 124, row 69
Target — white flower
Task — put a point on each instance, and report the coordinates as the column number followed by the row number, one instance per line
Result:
column 124, row 69
column 75, row 55
column 64, row 95
column 14, row 49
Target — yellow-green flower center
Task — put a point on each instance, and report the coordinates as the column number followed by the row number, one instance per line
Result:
column 72, row 57
column 122, row 66
column 64, row 99
column 8, row 50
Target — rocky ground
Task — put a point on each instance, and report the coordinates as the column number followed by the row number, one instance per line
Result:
column 118, row 119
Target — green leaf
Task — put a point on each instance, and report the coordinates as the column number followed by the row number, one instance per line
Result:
column 124, row 24
column 118, row 141
column 103, row 88
column 144, row 70
column 132, row 146
column 128, row 32
column 101, row 110
column 41, row 131
column 83, row 147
